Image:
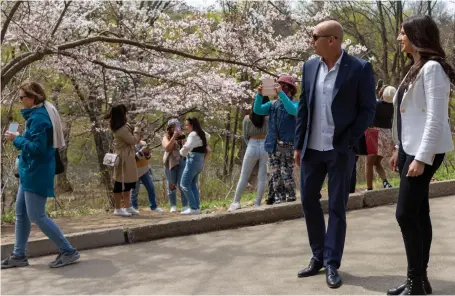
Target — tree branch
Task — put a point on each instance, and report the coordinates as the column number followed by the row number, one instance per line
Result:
column 15, row 61
column 59, row 21
column 20, row 64
column 8, row 20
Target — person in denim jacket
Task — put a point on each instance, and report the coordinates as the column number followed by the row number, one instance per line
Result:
column 143, row 155
column 279, row 143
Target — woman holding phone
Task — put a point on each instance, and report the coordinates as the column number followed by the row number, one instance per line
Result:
column 195, row 149
column 36, row 168
column 422, row 136
column 279, row 142
column 174, row 163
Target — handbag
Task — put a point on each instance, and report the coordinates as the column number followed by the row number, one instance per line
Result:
column 111, row 159
column 59, row 167
column 372, row 137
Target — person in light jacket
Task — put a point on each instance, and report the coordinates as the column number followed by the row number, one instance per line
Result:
column 422, row 136
column 174, row 163
column 125, row 173
column 36, row 169
column 195, row 149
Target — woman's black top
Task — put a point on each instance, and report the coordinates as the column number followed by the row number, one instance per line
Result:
column 384, row 115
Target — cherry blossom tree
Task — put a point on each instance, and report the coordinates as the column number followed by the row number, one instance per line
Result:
column 163, row 58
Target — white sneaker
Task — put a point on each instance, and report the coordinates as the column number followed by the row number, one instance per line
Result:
column 132, row 211
column 191, row 212
column 159, row 210
column 185, row 209
column 173, row 209
column 121, row 212
column 234, row 206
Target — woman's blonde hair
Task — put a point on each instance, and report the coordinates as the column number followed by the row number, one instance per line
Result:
column 388, row 94
column 33, row 90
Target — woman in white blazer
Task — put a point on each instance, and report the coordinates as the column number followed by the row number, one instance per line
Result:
column 422, row 136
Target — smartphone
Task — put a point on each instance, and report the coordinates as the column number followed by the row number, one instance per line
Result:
column 13, row 127
column 268, row 87
column 142, row 118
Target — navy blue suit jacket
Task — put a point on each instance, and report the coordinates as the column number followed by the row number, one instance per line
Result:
column 353, row 106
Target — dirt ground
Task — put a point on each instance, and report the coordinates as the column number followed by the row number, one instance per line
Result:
column 104, row 220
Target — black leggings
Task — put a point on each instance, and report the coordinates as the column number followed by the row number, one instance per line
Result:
column 413, row 212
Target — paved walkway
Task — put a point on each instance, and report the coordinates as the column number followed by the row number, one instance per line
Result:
column 254, row 260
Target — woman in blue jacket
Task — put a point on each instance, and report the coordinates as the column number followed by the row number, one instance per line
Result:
column 38, row 145
column 279, row 142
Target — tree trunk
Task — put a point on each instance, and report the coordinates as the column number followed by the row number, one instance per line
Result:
column 234, row 133
column 226, row 144
column 385, row 68
column 399, row 18
column 103, row 143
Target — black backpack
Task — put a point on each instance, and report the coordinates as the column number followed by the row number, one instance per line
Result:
column 59, row 167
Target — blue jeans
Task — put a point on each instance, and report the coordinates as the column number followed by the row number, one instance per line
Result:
column 31, row 207
column 147, row 181
column 173, row 177
column 188, row 184
column 255, row 152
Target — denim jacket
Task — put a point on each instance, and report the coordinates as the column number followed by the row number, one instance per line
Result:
column 281, row 118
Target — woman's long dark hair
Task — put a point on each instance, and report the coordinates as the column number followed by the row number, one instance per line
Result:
column 117, row 117
column 423, row 32
column 198, row 129
column 258, row 120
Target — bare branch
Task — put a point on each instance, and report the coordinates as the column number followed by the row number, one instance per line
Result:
column 59, row 21
column 8, row 20
column 15, row 61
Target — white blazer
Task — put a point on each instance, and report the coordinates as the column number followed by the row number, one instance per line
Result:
column 425, row 127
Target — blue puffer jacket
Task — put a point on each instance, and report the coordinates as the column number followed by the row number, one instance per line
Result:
column 37, row 159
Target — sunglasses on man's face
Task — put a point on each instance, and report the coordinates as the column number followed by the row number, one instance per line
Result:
column 317, row 36
column 22, row 97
